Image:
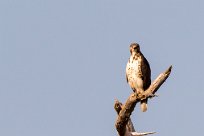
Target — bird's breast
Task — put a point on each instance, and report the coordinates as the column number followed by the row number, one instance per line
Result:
column 133, row 69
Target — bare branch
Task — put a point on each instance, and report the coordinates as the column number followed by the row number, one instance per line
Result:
column 158, row 82
column 130, row 130
column 118, row 107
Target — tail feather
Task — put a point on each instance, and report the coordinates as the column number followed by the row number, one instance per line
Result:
column 143, row 105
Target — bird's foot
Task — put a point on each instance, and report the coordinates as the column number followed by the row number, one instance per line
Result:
column 141, row 95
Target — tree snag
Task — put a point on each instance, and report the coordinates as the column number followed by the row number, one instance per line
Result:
column 123, row 123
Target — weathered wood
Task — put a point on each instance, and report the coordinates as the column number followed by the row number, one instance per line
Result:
column 126, row 110
column 130, row 130
column 118, row 107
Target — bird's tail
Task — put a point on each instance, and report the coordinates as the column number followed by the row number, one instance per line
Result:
column 143, row 105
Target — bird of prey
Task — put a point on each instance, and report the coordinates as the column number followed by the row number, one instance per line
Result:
column 138, row 72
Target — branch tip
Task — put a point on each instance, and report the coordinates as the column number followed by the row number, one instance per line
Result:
column 142, row 134
column 168, row 71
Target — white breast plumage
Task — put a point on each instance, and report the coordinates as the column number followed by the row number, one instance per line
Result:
column 133, row 71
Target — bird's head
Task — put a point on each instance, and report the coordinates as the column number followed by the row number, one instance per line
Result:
column 134, row 48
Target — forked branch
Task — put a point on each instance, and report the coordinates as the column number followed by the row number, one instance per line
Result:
column 123, row 123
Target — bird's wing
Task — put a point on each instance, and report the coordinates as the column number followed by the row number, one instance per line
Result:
column 146, row 72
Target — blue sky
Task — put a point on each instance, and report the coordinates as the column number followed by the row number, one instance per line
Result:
column 62, row 64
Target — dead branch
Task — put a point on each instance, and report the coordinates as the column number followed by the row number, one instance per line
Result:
column 124, row 111
column 130, row 130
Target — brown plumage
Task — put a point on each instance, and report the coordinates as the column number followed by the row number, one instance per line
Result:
column 138, row 72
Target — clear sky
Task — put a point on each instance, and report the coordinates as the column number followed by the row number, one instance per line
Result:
column 62, row 64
